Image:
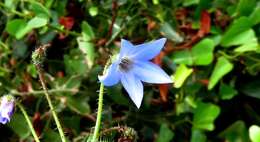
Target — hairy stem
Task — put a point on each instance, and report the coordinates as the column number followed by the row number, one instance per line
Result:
column 28, row 122
column 100, row 107
column 99, row 113
column 56, row 119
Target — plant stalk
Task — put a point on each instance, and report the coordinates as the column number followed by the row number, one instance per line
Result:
column 36, row 138
column 56, row 119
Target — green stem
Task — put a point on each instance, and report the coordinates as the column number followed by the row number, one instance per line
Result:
column 100, row 107
column 99, row 113
column 28, row 122
column 50, row 104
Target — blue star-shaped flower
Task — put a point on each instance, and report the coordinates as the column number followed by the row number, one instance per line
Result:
column 132, row 66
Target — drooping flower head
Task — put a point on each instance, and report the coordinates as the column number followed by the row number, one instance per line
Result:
column 6, row 108
column 132, row 67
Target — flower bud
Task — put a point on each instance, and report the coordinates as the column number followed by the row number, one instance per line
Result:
column 6, row 108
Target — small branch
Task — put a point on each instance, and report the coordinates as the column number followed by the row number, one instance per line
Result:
column 50, row 103
column 28, row 122
column 42, row 92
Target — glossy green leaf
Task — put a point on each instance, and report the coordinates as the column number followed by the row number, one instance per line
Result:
column 165, row 134
column 19, row 126
column 254, row 133
column 238, row 27
column 255, row 16
column 222, row 67
column 182, row 57
column 236, row 132
column 227, row 92
column 86, row 45
column 17, row 28
column 204, row 116
column 37, row 22
column 51, row 136
column 244, row 37
column 198, row 136
column 200, row 54
column 245, row 7
column 78, row 105
column 251, row 89
column 170, row 33
column 39, row 9
column 87, row 31
column 181, row 74
column 93, row 11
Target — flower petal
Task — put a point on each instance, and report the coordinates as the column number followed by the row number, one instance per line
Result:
column 111, row 77
column 150, row 73
column 133, row 86
column 126, row 47
column 147, row 51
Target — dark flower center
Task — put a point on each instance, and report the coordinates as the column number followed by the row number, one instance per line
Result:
column 125, row 64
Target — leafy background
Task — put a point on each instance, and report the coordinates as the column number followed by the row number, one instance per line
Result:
column 212, row 52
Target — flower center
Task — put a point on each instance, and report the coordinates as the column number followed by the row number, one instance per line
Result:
column 125, row 64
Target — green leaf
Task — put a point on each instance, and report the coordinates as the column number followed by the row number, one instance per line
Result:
column 237, row 132
column 19, row 126
column 72, row 82
column 242, row 38
column 17, row 28
column 255, row 16
column 165, row 134
column 85, row 43
column 198, row 136
column 234, row 32
column 93, row 11
column 51, row 136
column 78, row 105
column 190, row 2
column 251, row 89
column 75, row 64
column 227, row 92
column 253, row 46
column 39, row 9
column 204, row 116
column 222, row 67
column 182, row 57
column 170, row 33
column 200, row 54
column 37, row 22
column 245, row 7
column 87, row 31
column 254, row 133
column 181, row 74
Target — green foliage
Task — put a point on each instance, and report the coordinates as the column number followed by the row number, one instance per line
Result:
column 212, row 53
column 254, row 131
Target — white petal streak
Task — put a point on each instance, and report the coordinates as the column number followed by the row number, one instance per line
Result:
column 150, row 73
column 147, row 51
column 133, row 86
column 111, row 77
column 126, row 47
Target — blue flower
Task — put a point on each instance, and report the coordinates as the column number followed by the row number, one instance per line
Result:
column 6, row 108
column 132, row 67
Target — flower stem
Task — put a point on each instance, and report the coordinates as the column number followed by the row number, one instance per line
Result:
column 100, row 107
column 28, row 122
column 99, row 113
column 56, row 119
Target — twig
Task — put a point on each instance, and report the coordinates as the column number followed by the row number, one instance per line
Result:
column 28, row 122
column 50, row 103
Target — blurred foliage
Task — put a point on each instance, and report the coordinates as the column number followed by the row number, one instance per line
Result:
column 212, row 52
